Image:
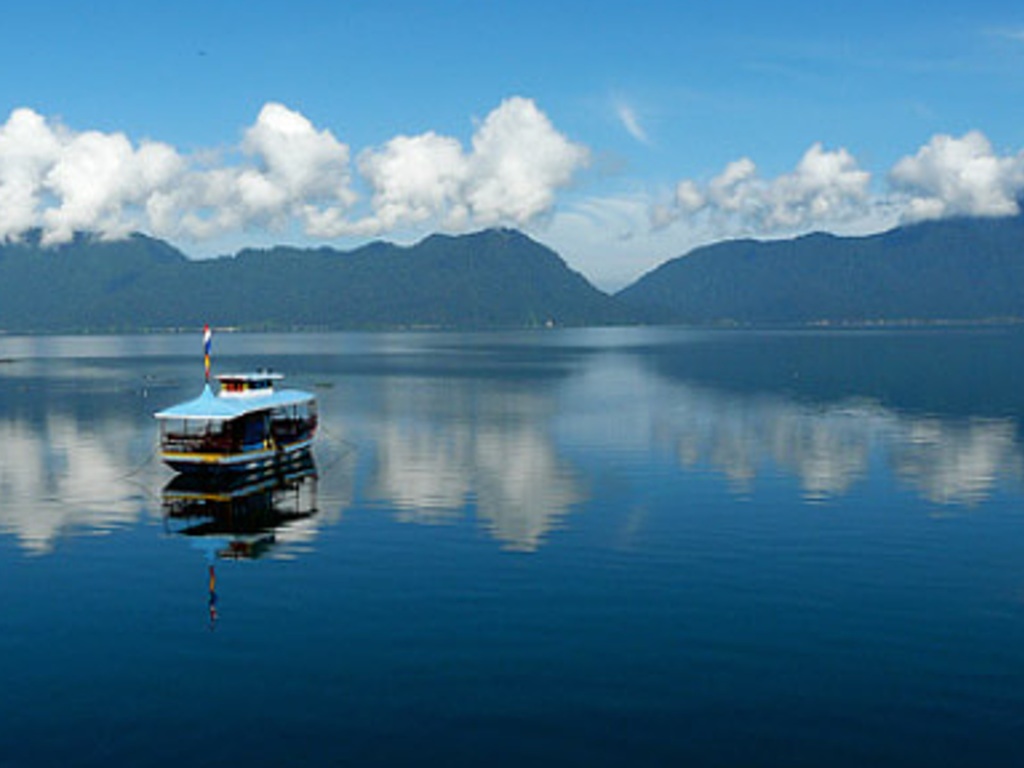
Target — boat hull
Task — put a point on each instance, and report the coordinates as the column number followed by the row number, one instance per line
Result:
column 200, row 463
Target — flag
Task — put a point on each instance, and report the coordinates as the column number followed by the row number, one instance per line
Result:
column 207, row 342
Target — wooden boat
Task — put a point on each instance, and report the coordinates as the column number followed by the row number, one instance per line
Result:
column 248, row 426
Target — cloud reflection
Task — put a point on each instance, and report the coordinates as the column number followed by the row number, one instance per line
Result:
column 473, row 446
column 957, row 463
column 62, row 477
column 58, row 478
column 436, row 449
column 831, row 449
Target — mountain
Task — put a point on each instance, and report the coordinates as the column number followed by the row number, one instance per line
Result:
column 955, row 270
column 490, row 279
column 86, row 284
column 968, row 269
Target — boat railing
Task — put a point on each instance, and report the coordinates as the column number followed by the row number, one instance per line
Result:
column 286, row 430
column 178, row 443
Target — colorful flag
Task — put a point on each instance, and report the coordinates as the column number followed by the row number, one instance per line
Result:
column 207, row 342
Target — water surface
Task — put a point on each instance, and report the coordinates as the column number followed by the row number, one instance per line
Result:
column 595, row 547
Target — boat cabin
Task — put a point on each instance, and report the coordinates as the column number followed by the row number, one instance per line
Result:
column 243, row 384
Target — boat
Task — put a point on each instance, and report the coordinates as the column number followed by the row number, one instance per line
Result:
column 248, row 426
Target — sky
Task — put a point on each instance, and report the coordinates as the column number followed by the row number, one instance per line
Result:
column 620, row 134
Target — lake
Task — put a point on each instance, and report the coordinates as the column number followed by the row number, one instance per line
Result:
column 564, row 547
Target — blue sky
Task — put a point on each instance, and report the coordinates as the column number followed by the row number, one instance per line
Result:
column 621, row 134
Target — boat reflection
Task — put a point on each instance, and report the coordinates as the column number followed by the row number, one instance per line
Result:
column 244, row 517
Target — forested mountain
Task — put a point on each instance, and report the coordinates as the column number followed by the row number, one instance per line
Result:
column 491, row 279
column 956, row 269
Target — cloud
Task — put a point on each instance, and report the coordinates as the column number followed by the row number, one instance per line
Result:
column 284, row 172
column 825, row 187
column 415, row 179
column 1015, row 34
column 959, row 176
column 948, row 176
column 297, row 163
column 287, row 174
column 290, row 172
column 631, row 122
column 28, row 149
column 98, row 177
column 61, row 181
column 517, row 163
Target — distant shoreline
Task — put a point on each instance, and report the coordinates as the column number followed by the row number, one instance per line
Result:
column 820, row 325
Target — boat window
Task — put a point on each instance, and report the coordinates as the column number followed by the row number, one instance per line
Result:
column 255, row 430
column 235, row 386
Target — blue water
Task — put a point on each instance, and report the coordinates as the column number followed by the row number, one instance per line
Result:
column 603, row 547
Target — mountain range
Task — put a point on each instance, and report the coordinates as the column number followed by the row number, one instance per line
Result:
column 961, row 269
column 950, row 270
column 491, row 279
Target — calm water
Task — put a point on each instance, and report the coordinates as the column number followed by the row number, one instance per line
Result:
column 615, row 547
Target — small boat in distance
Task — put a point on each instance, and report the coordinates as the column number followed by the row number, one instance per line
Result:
column 248, row 425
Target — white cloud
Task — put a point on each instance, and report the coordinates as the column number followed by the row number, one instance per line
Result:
column 628, row 117
column 735, row 188
column 415, row 179
column 826, row 187
column 689, row 198
column 297, row 163
column 946, row 177
column 826, row 190
column 610, row 239
column 959, row 176
column 291, row 172
column 518, row 162
column 285, row 172
column 28, row 148
column 100, row 180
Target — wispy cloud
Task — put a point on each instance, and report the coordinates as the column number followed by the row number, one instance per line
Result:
column 631, row 122
column 1009, row 33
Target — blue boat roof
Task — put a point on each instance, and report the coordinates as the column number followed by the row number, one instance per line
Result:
column 209, row 407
